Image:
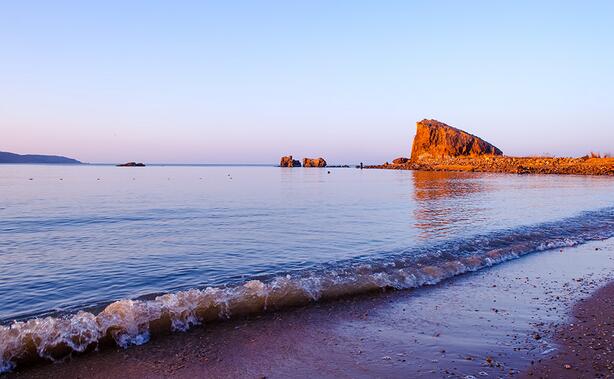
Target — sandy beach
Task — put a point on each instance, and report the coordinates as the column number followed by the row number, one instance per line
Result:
column 587, row 341
column 510, row 319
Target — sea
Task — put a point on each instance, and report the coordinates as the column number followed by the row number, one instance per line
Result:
column 96, row 252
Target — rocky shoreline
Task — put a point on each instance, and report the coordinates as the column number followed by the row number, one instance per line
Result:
column 441, row 147
column 512, row 165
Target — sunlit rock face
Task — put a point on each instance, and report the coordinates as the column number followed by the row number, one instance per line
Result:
column 314, row 162
column 437, row 140
column 289, row 162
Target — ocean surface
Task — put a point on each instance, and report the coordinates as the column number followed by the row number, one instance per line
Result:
column 94, row 251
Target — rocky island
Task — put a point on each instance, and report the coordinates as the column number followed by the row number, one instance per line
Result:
column 440, row 147
column 131, row 164
column 314, row 162
column 288, row 161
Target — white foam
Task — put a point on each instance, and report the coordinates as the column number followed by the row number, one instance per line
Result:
column 129, row 322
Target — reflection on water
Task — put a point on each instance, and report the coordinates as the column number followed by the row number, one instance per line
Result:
column 442, row 201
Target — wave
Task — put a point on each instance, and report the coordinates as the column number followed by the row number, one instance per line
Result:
column 133, row 322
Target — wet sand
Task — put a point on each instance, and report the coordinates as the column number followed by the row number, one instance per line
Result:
column 493, row 323
column 587, row 349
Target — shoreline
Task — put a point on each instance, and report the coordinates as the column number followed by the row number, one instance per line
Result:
column 134, row 322
column 587, row 342
column 510, row 165
column 481, row 322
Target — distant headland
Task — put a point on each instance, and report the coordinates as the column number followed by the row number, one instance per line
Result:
column 6, row 157
column 441, row 147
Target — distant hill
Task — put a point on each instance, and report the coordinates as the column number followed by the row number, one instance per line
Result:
column 30, row 158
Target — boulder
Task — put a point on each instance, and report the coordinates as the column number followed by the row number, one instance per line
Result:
column 314, row 162
column 289, row 162
column 437, row 140
column 400, row 160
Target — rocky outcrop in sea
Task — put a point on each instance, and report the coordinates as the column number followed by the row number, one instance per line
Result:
column 314, row 162
column 434, row 139
column 287, row 161
column 131, row 164
column 440, row 147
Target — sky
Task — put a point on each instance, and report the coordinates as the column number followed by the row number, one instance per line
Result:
column 250, row 81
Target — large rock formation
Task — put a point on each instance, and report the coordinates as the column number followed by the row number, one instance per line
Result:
column 314, row 162
column 289, row 162
column 437, row 140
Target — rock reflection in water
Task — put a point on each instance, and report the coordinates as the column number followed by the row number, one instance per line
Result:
column 443, row 201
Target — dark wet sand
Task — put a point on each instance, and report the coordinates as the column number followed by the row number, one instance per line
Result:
column 587, row 349
column 491, row 323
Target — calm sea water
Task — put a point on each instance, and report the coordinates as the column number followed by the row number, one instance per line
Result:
column 74, row 237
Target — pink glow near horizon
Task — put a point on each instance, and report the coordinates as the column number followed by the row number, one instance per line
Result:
column 212, row 83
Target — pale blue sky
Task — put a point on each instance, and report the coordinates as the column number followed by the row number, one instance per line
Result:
column 249, row 81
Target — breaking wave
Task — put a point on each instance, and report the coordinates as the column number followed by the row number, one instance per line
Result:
column 132, row 322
